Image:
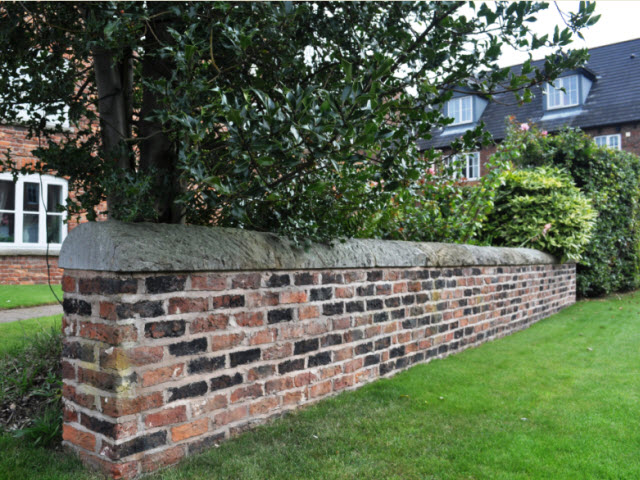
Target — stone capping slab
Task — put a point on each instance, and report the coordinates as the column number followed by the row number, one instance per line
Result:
column 149, row 247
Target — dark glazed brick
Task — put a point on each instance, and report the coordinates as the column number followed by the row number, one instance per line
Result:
column 442, row 306
column 386, row 367
column 305, row 346
column 333, row 309
column 107, row 286
column 440, row 284
column 78, row 351
column 333, row 339
column 278, row 281
column 200, row 365
column 408, row 299
column 443, row 349
column 225, row 381
column 392, row 302
column 422, row 298
column 371, row 360
column 402, row 362
column 205, row 443
column 173, row 328
column 290, row 366
column 435, row 273
column 356, row 306
column 411, row 323
column 138, row 445
column 353, row 336
column 364, row 348
column 382, row 343
column 304, row 279
column 317, row 294
column 187, row 391
column 165, row 283
column 108, row 429
column 244, row 357
column 188, row 348
column 328, row 278
column 277, row 316
column 375, row 304
column 144, row 309
column 427, row 285
column 323, row 358
column 451, row 284
column 468, row 330
column 365, row 291
column 397, row 352
column 397, row 314
column 73, row 306
column 476, row 271
column 380, row 317
column 432, row 353
column 458, row 334
column 374, row 276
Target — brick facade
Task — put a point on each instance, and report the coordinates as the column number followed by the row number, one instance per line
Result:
column 29, row 269
column 158, row 366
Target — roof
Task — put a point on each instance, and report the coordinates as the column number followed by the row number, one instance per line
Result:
column 614, row 98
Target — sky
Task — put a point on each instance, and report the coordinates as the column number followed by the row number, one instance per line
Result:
column 619, row 21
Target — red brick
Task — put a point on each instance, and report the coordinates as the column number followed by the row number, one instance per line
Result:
column 121, row 358
column 209, row 323
column 166, row 417
column 353, row 365
column 262, row 299
column 263, row 406
column 290, row 398
column 343, row 382
column 209, row 282
column 165, row 458
column 306, row 312
column 262, row 337
column 231, row 415
column 263, row 371
column 278, row 351
column 303, row 379
column 69, row 415
column 223, row 342
column 251, row 391
column 84, row 400
column 79, row 438
column 187, row 305
column 108, row 311
column 202, row 407
column 343, row 354
column 111, row 334
column 249, row 319
column 68, row 326
column 162, row 375
column 68, row 284
column 293, row 297
column 119, row 407
column 320, row 389
column 344, row 292
column 278, row 385
column 115, row 471
column 317, row 327
column 68, row 370
column 246, row 281
column 341, row 323
column 401, row 287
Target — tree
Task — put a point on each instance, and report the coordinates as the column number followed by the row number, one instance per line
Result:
column 270, row 116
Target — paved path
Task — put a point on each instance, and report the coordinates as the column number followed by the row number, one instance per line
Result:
column 31, row 312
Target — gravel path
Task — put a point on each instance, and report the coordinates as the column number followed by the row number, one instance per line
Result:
column 31, row 312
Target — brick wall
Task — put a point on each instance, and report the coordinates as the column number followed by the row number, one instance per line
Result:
column 28, row 269
column 161, row 365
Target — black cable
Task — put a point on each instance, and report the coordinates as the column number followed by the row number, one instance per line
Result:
column 46, row 236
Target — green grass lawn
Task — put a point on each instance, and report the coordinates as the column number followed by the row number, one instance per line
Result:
column 16, row 335
column 19, row 296
column 560, row 400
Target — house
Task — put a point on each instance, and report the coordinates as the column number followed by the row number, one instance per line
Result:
column 602, row 98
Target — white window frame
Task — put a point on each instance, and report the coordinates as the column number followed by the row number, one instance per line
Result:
column 608, row 140
column 556, row 98
column 43, row 181
column 464, row 165
column 456, row 111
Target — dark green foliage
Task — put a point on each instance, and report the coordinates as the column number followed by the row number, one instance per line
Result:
column 611, row 178
column 31, row 389
column 541, row 208
column 272, row 116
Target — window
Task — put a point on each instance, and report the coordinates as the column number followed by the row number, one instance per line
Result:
column 466, row 165
column 611, row 141
column 460, row 109
column 556, row 98
column 29, row 215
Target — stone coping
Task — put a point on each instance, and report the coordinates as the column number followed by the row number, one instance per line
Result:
column 29, row 252
column 148, row 247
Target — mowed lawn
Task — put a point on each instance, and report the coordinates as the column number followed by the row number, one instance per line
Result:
column 560, row 400
column 19, row 296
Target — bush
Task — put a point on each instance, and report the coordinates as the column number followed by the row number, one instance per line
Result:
column 541, row 208
column 611, row 178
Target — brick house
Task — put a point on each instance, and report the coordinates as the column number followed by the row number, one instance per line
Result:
column 602, row 98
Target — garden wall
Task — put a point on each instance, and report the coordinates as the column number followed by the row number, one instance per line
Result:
column 177, row 337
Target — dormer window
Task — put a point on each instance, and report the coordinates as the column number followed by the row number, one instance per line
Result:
column 570, row 97
column 460, row 109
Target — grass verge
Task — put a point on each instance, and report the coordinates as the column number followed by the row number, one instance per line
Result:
column 20, row 296
column 557, row 401
column 16, row 336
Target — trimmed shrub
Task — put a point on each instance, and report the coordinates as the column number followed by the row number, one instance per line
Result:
column 541, row 208
column 611, row 178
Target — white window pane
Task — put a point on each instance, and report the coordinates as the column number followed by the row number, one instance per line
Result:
column 30, row 228
column 7, row 226
column 614, row 142
column 601, row 141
